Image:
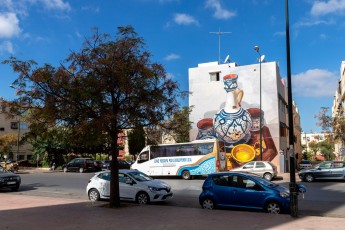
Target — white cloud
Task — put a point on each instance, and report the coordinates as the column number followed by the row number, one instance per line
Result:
column 312, row 22
column 56, row 4
column 172, row 57
column 185, row 19
column 320, row 8
column 9, row 25
column 315, row 83
column 219, row 11
column 6, row 46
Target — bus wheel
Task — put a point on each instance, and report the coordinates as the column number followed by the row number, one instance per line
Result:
column 186, row 175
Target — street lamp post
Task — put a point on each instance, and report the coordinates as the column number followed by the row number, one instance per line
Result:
column 257, row 49
column 18, row 133
column 293, row 186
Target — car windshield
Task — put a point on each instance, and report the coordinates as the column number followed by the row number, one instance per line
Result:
column 266, row 182
column 139, row 176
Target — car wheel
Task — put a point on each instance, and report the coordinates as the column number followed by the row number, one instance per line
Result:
column 186, row 175
column 208, row 203
column 94, row 195
column 143, row 198
column 273, row 207
column 81, row 170
column 65, row 170
column 309, row 178
column 268, row 176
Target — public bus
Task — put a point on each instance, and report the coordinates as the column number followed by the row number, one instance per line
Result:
column 200, row 157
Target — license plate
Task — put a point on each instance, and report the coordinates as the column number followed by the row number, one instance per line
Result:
column 11, row 182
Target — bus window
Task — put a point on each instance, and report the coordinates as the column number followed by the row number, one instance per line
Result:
column 205, row 148
column 144, row 156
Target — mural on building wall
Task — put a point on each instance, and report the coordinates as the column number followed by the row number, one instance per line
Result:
column 239, row 128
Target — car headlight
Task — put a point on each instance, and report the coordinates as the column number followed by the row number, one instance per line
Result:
column 153, row 189
column 284, row 194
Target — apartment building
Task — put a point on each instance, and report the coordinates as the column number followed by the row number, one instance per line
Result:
column 19, row 151
column 339, row 107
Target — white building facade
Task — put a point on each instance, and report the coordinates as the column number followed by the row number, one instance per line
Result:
column 226, row 106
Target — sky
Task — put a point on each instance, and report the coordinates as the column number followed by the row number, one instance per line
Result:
column 180, row 35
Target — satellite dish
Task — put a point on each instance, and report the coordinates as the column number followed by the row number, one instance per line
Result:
column 226, row 59
column 262, row 58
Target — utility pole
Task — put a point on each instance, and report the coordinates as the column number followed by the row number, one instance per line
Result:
column 219, row 33
column 293, row 185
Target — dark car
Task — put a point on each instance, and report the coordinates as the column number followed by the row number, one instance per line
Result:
column 123, row 164
column 98, row 165
column 244, row 190
column 79, row 165
column 9, row 179
column 327, row 170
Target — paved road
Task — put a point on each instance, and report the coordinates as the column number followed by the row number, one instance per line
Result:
column 321, row 199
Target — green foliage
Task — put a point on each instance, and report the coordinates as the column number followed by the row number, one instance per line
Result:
column 136, row 140
column 6, row 142
column 179, row 125
column 108, row 86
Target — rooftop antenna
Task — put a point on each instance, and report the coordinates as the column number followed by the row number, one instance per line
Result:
column 227, row 59
column 219, row 33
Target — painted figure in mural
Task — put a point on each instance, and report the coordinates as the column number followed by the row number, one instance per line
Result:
column 205, row 129
column 269, row 150
column 232, row 123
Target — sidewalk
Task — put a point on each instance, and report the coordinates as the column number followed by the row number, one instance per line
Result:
column 19, row 212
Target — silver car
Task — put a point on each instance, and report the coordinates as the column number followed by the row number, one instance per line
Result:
column 266, row 169
column 134, row 186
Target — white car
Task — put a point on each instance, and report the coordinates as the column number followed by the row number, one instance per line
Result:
column 266, row 169
column 134, row 186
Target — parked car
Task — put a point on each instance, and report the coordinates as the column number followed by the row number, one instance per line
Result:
column 327, row 170
column 264, row 169
column 304, row 164
column 9, row 179
column 134, row 186
column 244, row 190
column 79, row 165
column 123, row 164
column 98, row 165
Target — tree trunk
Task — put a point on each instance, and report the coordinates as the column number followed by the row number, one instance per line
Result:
column 114, row 178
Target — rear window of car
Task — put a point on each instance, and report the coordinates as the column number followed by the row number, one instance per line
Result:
column 89, row 161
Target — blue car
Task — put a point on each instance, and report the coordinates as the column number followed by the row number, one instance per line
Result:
column 244, row 190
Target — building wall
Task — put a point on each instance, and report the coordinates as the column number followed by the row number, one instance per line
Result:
column 10, row 125
column 338, row 109
column 208, row 98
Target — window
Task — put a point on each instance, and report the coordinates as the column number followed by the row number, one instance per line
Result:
column 260, row 165
column 143, row 157
column 249, row 165
column 123, row 178
column 105, row 176
column 221, row 180
column 214, row 76
column 2, row 129
column 14, row 125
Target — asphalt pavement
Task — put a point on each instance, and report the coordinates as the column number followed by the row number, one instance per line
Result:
column 18, row 211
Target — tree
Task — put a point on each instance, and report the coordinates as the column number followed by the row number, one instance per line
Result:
column 136, row 140
column 108, row 86
column 314, row 147
column 179, row 125
column 6, row 141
